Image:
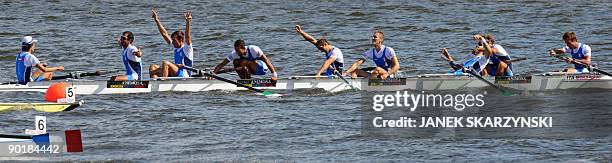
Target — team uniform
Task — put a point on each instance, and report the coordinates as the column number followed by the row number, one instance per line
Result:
column 183, row 55
column 581, row 53
column 477, row 63
column 498, row 57
column 382, row 59
column 253, row 54
column 338, row 63
column 132, row 63
column 24, row 63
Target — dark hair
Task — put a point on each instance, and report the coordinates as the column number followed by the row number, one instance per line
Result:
column 322, row 41
column 570, row 36
column 26, row 47
column 239, row 43
column 179, row 34
column 129, row 35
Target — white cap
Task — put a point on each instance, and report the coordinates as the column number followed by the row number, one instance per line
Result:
column 28, row 40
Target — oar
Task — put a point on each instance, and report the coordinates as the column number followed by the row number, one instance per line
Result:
column 343, row 79
column 585, row 65
column 518, row 59
column 474, row 73
column 265, row 93
column 78, row 75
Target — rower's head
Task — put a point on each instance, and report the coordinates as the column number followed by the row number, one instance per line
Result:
column 490, row 38
column 570, row 39
column 240, row 47
column 178, row 38
column 126, row 39
column 378, row 37
column 28, row 44
column 323, row 45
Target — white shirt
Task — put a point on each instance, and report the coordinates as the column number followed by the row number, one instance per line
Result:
column 130, row 53
column 336, row 53
column 500, row 50
column 586, row 49
column 389, row 54
column 30, row 60
column 252, row 49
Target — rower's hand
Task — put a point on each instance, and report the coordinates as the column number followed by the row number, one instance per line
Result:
column 552, row 53
column 61, row 68
column 568, row 60
column 180, row 65
column 384, row 76
column 344, row 74
column 154, row 13
column 137, row 53
column 188, row 16
column 298, row 28
column 317, row 76
column 478, row 37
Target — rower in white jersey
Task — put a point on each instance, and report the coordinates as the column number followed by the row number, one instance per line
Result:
column 500, row 63
column 131, row 58
column 477, row 63
column 26, row 60
column 334, row 60
column 384, row 57
column 580, row 53
column 247, row 60
column 183, row 50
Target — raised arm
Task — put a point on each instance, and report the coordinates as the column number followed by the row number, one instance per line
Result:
column 306, row 36
column 488, row 51
column 160, row 27
column 187, row 30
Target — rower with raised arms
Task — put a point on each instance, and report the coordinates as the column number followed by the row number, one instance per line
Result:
column 500, row 63
column 478, row 63
column 384, row 57
column 334, row 60
column 183, row 50
column 26, row 60
column 248, row 60
column 580, row 52
column 131, row 58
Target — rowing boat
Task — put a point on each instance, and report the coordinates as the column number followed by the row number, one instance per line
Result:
column 42, row 107
column 545, row 81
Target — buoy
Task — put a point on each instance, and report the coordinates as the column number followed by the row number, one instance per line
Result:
column 56, row 91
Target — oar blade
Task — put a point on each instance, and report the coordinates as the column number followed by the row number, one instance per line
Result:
column 271, row 94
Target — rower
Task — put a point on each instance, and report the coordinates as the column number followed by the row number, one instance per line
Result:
column 26, row 60
column 580, row 53
column 477, row 63
column 247, row 60
column 183, row 51
column 334, row 60
column 499, row 63
column 384, row 57
column 131, row 58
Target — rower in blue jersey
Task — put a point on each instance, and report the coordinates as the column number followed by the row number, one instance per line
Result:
column 183, row 51
column 384, row 57
column 247, row 60
column 580, row 53
column 478, row 63
column 26, row 60
column 131, row 57
column 500, row 63
column 334, row 60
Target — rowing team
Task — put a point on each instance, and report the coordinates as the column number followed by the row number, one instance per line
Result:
column 490, row 58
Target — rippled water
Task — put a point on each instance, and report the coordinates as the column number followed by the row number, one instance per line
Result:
column 308, row 125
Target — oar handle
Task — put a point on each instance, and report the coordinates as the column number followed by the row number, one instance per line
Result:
column 222, row 79
column 583, row 64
